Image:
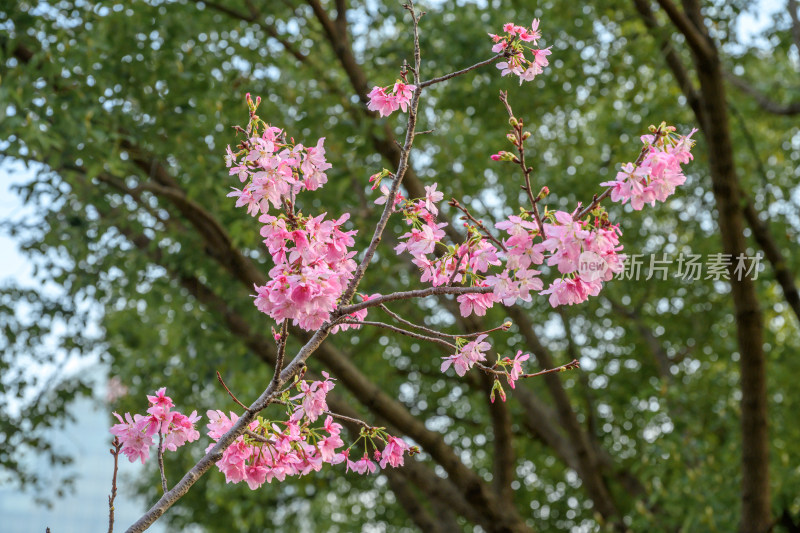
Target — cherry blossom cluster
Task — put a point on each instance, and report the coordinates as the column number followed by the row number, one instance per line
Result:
column 387, row 100
column 586, row 256
column 582, row 246
column 658, row 174
column 136, row 432
column 312, row 268
column 511, row 44
column 465, row 263
column 468, row 354
column 274, row 169
column 275, row 449
column 312, row 262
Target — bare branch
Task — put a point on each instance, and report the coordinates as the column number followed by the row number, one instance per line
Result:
column 762, row 99
column 401, row 331
column 791, row 6
column 235, row 399
column 407, row 295
column 694, row 36
column 452, row 75
column 164, row 487
column 116, row 447
column 671, row 57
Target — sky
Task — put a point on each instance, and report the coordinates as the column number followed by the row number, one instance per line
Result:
column 87, row 440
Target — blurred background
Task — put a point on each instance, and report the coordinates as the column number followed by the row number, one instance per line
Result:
column 121, row 257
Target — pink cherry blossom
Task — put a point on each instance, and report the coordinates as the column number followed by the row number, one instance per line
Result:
column 136, row 432
column 467, row 356
column 432, row 196
column 131, row 433
column 362, row 466
column 513, row 46
column 475, row 303
column 381, row 102
column 393, row 452
column 386, row 102
column 516, row 367
column 571, row 291
column 658, row 175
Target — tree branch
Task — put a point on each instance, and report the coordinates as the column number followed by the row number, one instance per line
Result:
column 762, row 99
column 671, row 56
column 791, row 6
column 407, row 295
column 588, row 470
column 660, row 357
column 694, row 36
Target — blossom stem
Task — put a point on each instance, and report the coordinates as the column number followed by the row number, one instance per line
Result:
column 478, row 223
column 161, row 461
column 117, row 445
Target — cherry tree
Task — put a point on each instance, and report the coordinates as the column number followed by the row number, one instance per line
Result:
column 319, row 284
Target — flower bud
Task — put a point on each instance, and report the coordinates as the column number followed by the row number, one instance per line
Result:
column 513, row 121
column 497, row 388
column 502, row 156
column 526, row 135
column 543, row 193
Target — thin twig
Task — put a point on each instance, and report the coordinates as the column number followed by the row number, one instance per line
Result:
column 569, row 366
column 402, row 167
column 446, row 77
column 235, row 399
column 348, row 419
column 563, row 368
column 519, row 142
column 597, row 199
column 456, row 268
column 504, row 326
column 478, row 223
column 256, row 436
column 401, row 331
column 276, row 378
column 161, row 460
column 407, row 295
column 117, row 446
